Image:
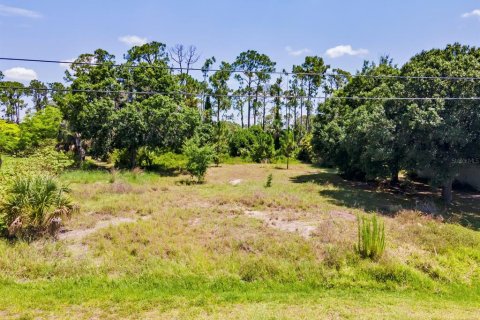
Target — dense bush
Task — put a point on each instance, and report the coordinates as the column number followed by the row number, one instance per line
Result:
column 263, row 149
column 376, row 139
column 9, row 137
column 240, row 142
column 45, row 160
column 253, row 143
column 305, row 150
column 35, row 206
column 198, row 159
column 39, row 128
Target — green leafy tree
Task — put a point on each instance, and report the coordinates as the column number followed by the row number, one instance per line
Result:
column 130, row 131
column 147, row 69
column 157, row 123
column 257, row 68
column 39, row 94
column 312, row 73
column 79, row 107
column 364, row 138
column 445, row 133
column 11, row 99
column 169, row 123
column 220, row 90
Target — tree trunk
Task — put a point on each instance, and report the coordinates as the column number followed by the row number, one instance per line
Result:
column 394, row 176
column 133, row 158
column 79, row 151
column 295, row 129
column 288, row 158
column 447, row 191
column 301, row 116
column 287, row 116
column 241, row 115
column 248, row 113
column 263, row 120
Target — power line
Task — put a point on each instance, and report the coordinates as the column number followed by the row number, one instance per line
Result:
column 453, row 78
column 199, row 95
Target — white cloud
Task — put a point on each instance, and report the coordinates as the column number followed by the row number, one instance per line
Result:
column 342, row 50
column 133, row 40
column 19, row 12
column 297, row 53
column 20, row 74
column 474, row 13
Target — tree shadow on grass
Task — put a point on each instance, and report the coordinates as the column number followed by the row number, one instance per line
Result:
column 163, row 171
column 96, row 165
column 390, row 200
column 188, row 182
column 355, row 194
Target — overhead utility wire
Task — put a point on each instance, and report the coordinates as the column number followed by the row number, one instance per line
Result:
column 199, row 95
column 455, row 78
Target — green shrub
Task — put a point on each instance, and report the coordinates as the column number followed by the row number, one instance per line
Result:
column 371, row 237
column 9, row 137
column 35, row 205
column 263, row 149
column 145, row 157
column 305, row 151
column 170, row 161
column 252, row 143
column 44, row 161
column 240, row 142
column 198, row 159
column 39, row 128
column 120, row 158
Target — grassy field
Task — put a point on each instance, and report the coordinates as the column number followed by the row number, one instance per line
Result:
column 146, row 246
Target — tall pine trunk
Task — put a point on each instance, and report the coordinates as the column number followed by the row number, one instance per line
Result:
column 264, row 106
column 248, row 113
column 241, row 115
column 79, row 151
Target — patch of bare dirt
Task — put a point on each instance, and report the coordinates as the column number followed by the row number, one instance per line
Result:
column 303, row 228
column 75, row 237
column 342, row 215
column 235, row 182
column 82, row 233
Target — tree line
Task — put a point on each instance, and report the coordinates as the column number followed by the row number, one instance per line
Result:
column 247, row 107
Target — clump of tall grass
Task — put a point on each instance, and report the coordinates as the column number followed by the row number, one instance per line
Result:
column 371, row 237
column 113, row 175
column 35, row 206
column 268, row 184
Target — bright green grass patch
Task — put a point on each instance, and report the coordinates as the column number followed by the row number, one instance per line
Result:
column 134, row 296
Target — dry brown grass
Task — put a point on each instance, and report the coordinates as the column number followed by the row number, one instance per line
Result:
column 204, row 231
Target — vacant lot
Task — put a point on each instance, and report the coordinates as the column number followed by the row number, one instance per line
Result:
column 146, row 246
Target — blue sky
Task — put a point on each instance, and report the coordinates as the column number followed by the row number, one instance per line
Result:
column 343, row 32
